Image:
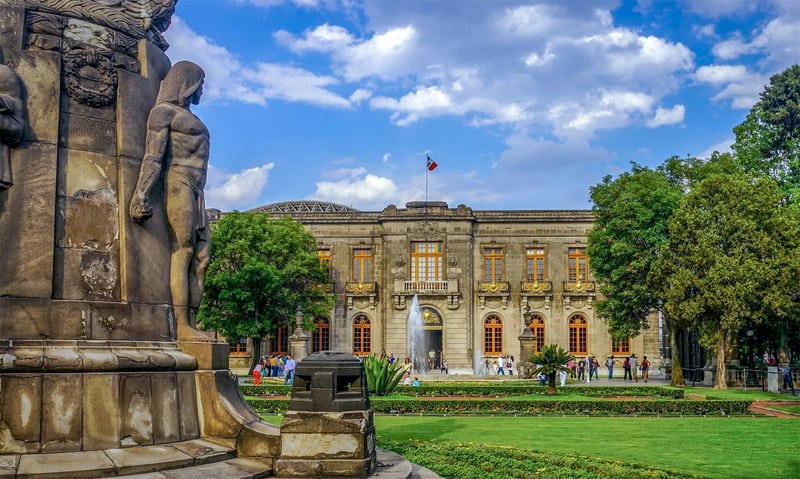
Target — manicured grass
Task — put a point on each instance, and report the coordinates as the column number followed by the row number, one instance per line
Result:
column 714, row 447
column 738, row 394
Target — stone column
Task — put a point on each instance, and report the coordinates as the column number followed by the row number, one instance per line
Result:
column 299, row 340
column 527, row 347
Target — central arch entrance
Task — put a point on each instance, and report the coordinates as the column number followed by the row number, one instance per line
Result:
column 433, row 326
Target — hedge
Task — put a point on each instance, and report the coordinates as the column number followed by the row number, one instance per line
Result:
column 496, row 390
column 479, row 461
column 528, row 408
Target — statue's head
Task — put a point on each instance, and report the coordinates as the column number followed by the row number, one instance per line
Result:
column 182, row 85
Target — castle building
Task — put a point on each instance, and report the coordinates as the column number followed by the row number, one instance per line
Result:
column 481, row 278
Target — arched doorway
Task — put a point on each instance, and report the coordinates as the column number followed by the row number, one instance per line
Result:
column 433, row 325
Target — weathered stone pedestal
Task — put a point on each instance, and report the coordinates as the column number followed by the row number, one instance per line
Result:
column 328, row 430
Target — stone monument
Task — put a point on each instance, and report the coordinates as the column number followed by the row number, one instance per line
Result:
column 105, row 242
column 104, row 245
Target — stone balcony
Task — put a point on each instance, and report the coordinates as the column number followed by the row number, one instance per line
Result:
column 536, row 294
column 579, row 294
column 360, row 295
column 403, row 290
column 494, row 292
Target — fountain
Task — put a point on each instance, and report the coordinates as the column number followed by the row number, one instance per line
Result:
column 416, row 336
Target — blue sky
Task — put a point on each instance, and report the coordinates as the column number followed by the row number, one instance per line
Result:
column 523, row 104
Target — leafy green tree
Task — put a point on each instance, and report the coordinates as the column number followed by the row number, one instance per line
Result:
column 731, row 260
column 551, row 360
column 261, row 272
column 768, row 141
column 631, row 226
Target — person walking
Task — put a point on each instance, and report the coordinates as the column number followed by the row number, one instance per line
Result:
column 610, row 366
column 581, row 369
column 626, row 366
column 288, row 369
column 634, row 370
column 444, row 366
column 595, row 366
column 501, row 366
column 510, row 365
column 645, row 368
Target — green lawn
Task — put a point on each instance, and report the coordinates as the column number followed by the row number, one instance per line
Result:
column 739, row 394
column 714, row 447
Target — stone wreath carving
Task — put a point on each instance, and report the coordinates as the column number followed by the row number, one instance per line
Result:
column 90, row 76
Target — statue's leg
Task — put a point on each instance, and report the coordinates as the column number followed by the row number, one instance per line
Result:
column 197, row 273
column 181, row 208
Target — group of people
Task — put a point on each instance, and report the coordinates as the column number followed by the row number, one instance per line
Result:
column 632, row 367
column 275, row 366
column 500, row 365
column 436, row 361
column 583, row 364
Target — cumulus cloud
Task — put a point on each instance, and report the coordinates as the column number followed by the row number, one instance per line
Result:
column 666, row 116
column 227, row 191
column 228, row 79
column 357, row 186
column 735, row 83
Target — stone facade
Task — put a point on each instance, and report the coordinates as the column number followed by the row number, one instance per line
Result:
column 460, row 298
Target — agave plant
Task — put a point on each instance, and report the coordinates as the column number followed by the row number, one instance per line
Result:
column 551, row 360
column 382, row 376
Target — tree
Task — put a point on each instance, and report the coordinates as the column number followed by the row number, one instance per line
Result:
column 768, row 141
column 631, row 226
column 262, row 272
column 731, row 259
column 551, row 360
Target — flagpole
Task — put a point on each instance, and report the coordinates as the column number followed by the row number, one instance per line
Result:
column 427, row 170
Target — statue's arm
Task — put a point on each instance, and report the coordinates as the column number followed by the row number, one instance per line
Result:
column 158, row 131
column 12, row 120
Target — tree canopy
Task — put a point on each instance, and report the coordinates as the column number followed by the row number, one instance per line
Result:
column 768, row 141
column 731, row 259
column 631, row 216
column 261, row 272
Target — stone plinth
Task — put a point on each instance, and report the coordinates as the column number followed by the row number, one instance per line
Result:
column 328, row 430
column 326, row 444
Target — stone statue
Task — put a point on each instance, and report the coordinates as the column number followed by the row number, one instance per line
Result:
column 178, row 143
column 12, row 120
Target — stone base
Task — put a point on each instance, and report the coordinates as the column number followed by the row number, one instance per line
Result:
column 327, row 444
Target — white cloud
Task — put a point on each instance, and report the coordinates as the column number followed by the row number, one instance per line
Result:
column 275, row 3
column 360, row 95
column 386, row 157
column 240, row 190
column 736, row 83
column 722, row 147
column 422, row 102
column 605, row 110
column 359, row 187
column 665, row 116
column 720, row 8
column 228, row 79
column 324, row 38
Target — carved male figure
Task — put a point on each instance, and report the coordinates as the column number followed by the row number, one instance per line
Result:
column 12, row 120
column 178, row 143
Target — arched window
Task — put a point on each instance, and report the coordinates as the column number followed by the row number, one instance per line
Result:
column 362, row 335
column 320, row 338
column 537, row 328
column 577, row 335
column 493, row 335
column 280, row 340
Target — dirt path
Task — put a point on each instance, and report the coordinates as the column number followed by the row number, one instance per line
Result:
column 764, row 407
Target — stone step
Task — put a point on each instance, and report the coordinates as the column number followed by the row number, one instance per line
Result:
column 116, row 462
column 238, row 468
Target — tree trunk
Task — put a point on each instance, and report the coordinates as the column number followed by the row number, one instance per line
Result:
column 551, row 384
column 675, row 354
column 256, row 342
column 721, row 381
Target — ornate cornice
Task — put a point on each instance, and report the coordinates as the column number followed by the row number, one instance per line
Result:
column 141, row 19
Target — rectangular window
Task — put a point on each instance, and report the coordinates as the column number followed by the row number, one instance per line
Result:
column 493, row 265
column 324, row 255
column 535, row 258
column 621, row 346
column 362, row 265
column 239, row 347
column 427, row 261
column 578, row 264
